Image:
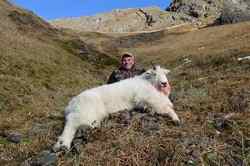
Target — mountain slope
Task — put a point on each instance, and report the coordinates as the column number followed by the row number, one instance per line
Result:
column 210, row 93
column 124, row 20
column 41, row 69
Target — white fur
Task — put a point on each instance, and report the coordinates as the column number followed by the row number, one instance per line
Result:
column 91, row 106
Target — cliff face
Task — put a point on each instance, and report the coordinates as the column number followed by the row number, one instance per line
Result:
column 234, row 11
column 224, row 11
column 197, row 8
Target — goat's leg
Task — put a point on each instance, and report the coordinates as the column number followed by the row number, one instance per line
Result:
column 170, row 112
column 64, row 141
column 163, row 105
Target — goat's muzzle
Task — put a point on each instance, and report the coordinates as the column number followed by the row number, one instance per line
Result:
column 164, row 84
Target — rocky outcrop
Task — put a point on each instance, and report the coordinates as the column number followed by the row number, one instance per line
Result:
column 196, row 12
column 235, row 11
column 223, row 11
column 146, row 19
column 197, row 8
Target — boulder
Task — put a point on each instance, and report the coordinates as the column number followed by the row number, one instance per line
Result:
column 196, row 8
column 234, row 11
column 14, row 137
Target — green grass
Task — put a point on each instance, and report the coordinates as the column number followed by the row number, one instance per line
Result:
column 26, row 141
column 3, row 141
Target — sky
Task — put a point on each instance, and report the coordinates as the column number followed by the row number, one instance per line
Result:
column 53, row 9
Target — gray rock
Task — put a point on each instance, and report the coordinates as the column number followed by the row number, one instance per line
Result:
column 14, row 137
column 222, row 124
column 45, row 158
column 196, row 8
column 234, row 11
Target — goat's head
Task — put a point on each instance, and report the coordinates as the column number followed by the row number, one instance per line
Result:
column 157, row 76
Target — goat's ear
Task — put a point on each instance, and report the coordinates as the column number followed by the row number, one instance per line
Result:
column 166, row 71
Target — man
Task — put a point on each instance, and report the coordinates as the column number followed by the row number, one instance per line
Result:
column 128, row 69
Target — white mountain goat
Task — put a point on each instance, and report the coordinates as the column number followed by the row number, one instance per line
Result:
column 93, row 105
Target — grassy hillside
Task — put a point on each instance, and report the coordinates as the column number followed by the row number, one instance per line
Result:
column 42, row 68
column 211, row 94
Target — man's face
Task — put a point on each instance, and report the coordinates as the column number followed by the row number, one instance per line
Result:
column 128, row 62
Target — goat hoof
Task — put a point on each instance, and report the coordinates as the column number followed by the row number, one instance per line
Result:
column 61, row 148
column 177, row 123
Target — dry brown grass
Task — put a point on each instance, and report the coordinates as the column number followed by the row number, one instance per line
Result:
column 41, row 71
column 206, row 91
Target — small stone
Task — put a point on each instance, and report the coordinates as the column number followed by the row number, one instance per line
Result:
column 14, row 137
column 222, row 124
column 149, row 125
column 45, row 158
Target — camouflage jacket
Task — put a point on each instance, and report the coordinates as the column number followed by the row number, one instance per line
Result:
column 122, row 74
